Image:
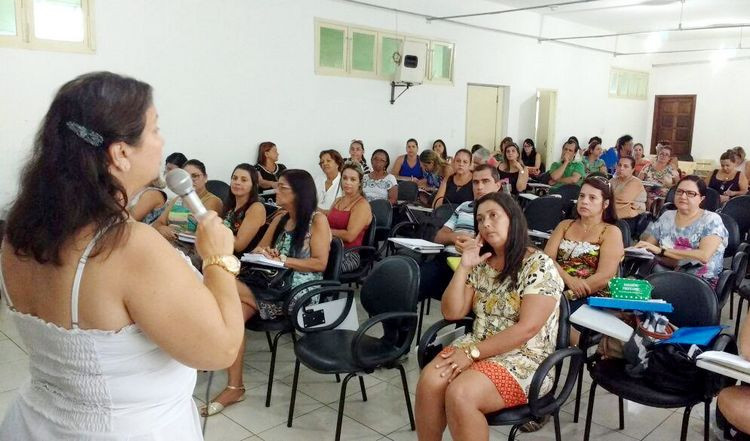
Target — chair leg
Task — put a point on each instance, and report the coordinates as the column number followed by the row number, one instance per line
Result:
column 419, row 321
column 274, row 348
column 590, row 411
column 362, row 387
column 268, row 338
column 731, row 304
column 579, row 390
column 621, row 405
column 429, row 303
column 738, row 318
column 294, row 394
column 342, row 400
column 513, row 432
column 685, row 421
column 407, row 397
column 338, row 378
column 706, row 417
column 556, row 418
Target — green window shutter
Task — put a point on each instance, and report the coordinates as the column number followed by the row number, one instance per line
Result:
column 332, row 44
column 388, row 46
column 8, row 17
column 363, row 51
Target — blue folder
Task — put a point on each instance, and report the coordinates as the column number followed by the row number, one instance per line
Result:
column 694, row 335
column 630, row 305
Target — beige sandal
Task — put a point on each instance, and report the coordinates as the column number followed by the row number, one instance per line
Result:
column 215, row 407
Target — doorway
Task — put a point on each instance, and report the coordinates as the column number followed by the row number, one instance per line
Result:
column 544, row 134
column 485, row 115
column 674, row 116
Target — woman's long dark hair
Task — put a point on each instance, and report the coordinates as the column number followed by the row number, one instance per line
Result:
column 531, row 157
column 66, row 184
column 305, row 204
column 517, row 241
column 599, row 182
column 232, row 199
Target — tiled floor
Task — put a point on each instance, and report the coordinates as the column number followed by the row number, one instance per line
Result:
column 382, row 417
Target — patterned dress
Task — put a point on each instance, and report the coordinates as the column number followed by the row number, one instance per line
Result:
column 497, row 307
column 653, row 175
column 580, row 259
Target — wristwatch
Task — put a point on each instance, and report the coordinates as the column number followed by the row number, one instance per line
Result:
column 282, row 258
column 473, row 352
column 230, row 263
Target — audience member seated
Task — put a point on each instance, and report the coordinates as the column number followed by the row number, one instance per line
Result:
column 734, row 402
column 456, row 189
column 530, row 158
column 512, row 170
column 379, row 184
column 514, row 291
column 268, row 165
column 727, row 180
column 628, row 190
column 435, row 170
column 408, row 167
column 357, row 154
column 623, row 147
column 329, row 185
column 245, row 213
column 148, row 204
column 439, row 147
column 591, row 158
column 640, row 158
column 176, row 218
column 301, row 240
column 567, row 170
column 350, row 214
column 588, row 249
column 689, row 235
column 660, row 172
column 497, row 156
column 173, row 161
column 742, row 164
column 479, row 156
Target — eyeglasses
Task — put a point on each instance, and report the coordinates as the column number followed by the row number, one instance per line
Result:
column 688, row 193
column 284, row 187
column 196, row 176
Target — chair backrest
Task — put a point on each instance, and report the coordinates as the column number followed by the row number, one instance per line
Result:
column 724, row 286
column 392, row 286
column 739, row 266
column 441, row 214
column 733, row 238
column 563, row 327
column 712, row 201
column 670, row 194
column 369, row 237
column 739, row 209
column 626, row 233
column 382, row 211
column 544, row 213
column 568, row 192
column 694, row 301
column 219, row 188
column 335, row 255
column 407, row 191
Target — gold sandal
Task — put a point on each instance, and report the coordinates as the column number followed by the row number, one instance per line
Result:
column 215, row 407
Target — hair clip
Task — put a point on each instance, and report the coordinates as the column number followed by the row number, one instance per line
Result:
column 90, row 136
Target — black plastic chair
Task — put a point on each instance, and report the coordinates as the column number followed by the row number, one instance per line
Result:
column 736, row 262
column 544, row 213
column 627, row 236
column 407, row 191
column 367, row 256
column 389, row 295
column 695, row 304
column 284, row 325
column 739, row 209
column 569, row 194
column 382, row 212
column 537, row 406
column 219, row 188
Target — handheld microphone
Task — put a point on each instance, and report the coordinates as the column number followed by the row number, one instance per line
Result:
column 178, row 180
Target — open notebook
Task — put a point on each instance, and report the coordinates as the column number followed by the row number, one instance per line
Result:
column 725, row 364
column 259, row 259
column 421, row 245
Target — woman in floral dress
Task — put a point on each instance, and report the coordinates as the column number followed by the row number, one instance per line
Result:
column 661, row 173
column 514, row 291
column 588, row 249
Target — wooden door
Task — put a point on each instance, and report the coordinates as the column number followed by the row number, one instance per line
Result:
column 484, row 115
column 674, row 116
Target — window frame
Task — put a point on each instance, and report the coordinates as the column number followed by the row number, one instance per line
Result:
column 25, row 39
column 381, row 35
column 431, row 49
column 325, row 70
column 350, row 53
column 625, row 79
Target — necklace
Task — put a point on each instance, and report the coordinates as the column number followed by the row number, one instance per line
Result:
column 587, row 229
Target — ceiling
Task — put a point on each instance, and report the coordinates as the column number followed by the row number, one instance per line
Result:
column 618, row 16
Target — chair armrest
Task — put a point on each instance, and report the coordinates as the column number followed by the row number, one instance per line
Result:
column 423, row 357
column 302, row 301
column 576, row 359
column 402, row 225
column 724, row 341
column 303, row 286
column 716, row 382
column 372, row 321
column 366, row 253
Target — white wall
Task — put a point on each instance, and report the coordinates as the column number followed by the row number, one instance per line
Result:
column 228, row 78
column 722, row 103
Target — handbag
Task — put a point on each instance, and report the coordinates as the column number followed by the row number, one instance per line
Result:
column 670, row 369
column 270, row 286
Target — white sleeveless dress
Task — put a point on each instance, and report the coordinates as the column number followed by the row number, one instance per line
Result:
column 94, row 385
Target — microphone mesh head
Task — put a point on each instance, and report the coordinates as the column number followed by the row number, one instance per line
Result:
column 178, row 180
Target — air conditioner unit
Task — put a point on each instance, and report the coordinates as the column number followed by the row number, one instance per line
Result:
column 411, row 68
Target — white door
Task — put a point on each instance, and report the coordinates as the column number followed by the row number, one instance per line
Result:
column 546, row 109
column 484, row 115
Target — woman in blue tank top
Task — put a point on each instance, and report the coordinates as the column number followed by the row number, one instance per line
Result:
column 407, row 166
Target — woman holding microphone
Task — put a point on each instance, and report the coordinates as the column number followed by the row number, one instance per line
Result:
column 116, row 321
